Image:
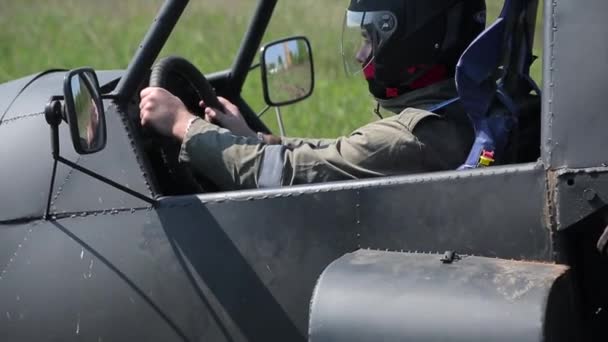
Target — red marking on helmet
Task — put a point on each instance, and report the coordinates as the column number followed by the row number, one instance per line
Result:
column 435, row 74
column 369, row 71
column 392, row 92
column 411, row 70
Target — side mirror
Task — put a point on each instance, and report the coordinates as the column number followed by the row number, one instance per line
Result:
column 84, row 111
column 287, row 71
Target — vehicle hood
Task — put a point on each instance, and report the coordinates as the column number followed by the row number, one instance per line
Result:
column 40, row 90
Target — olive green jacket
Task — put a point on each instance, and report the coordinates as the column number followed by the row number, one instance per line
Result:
column 412, row 141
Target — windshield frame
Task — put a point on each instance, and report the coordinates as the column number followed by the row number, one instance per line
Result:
column 161, row 28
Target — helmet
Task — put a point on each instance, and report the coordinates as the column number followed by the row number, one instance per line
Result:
column 400, row 41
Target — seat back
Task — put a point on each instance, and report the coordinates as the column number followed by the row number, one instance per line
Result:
column 494, row 84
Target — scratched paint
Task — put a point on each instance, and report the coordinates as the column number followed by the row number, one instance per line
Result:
column 90, row 274
column 78, row 325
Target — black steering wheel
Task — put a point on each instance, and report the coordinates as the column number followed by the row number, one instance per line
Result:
column 178, row 76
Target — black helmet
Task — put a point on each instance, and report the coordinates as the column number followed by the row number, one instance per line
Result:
column 400, row 38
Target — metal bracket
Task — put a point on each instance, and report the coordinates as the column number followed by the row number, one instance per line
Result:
column 449, row 257
column 578, row 194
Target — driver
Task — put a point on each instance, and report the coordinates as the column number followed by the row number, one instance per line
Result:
column 407, row 51
column 93, row 126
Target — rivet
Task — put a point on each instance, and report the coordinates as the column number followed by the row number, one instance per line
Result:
column 589, row 194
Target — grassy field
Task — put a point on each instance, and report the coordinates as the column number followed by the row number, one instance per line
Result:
column 286, row 85
column 41, row 34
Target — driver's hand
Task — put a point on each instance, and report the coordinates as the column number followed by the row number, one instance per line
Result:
column 230, row 118
column 166, row 113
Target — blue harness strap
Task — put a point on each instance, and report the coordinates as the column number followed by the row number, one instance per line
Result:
column 490, row 76
column 443, row 105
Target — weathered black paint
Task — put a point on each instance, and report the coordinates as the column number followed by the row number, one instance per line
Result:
column 416, row 297
column 242, row 266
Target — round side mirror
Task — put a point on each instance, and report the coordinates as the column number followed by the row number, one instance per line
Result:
column 287, row 71
column 84, row 111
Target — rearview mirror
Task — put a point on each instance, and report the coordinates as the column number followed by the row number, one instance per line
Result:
column 84, row 111
column 287, row 71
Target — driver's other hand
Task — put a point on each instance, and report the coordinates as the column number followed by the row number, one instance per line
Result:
column 230, row 118
column 166, row 113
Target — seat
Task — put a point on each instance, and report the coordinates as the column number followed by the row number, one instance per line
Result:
column 497, row 92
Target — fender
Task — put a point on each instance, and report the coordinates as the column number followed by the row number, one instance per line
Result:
column 387, row 296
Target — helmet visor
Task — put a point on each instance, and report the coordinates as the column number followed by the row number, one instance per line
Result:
column 363, row 35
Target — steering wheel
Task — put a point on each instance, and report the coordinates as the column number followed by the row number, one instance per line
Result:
column 184, row 80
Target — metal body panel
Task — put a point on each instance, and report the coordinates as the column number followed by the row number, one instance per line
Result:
column 100, row 196
column 36, row 95
column 579, row 194
column 261, row 265
column 144, row 275
column 25, row 150
column 416, row 297
column 279, row 241
column 574, row 96
column 57, row 282
column 242, row 266
column 26, row 169
column 499, row 211
column 495, row 214
column 9, row 90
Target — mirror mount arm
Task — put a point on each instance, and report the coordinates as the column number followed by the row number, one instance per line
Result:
column 280, row 121
column 264, row 111
column 53, row 115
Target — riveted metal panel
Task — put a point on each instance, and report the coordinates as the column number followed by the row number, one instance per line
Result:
column 26, row 169
column 277, row 242
column 574, row 98
column 25, row 174
column 492, row 212
column 96, row 278
column 80, row 192
column 579, row 194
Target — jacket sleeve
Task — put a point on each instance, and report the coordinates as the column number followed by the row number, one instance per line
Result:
column 297, row 142
column 229, row 161
column 382, row 148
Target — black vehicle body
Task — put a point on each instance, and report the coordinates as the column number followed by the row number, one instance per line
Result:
column 249, row 265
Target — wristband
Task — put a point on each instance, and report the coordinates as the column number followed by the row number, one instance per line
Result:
column 260, row 136
column 190, row 125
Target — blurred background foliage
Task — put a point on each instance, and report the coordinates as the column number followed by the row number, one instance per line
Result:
column 42, row 34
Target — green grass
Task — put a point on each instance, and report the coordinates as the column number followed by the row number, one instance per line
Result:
column 286, row 85
column 41, row 34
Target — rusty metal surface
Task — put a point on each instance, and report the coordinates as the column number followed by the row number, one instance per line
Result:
column 578, row 194
column 416, row 297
